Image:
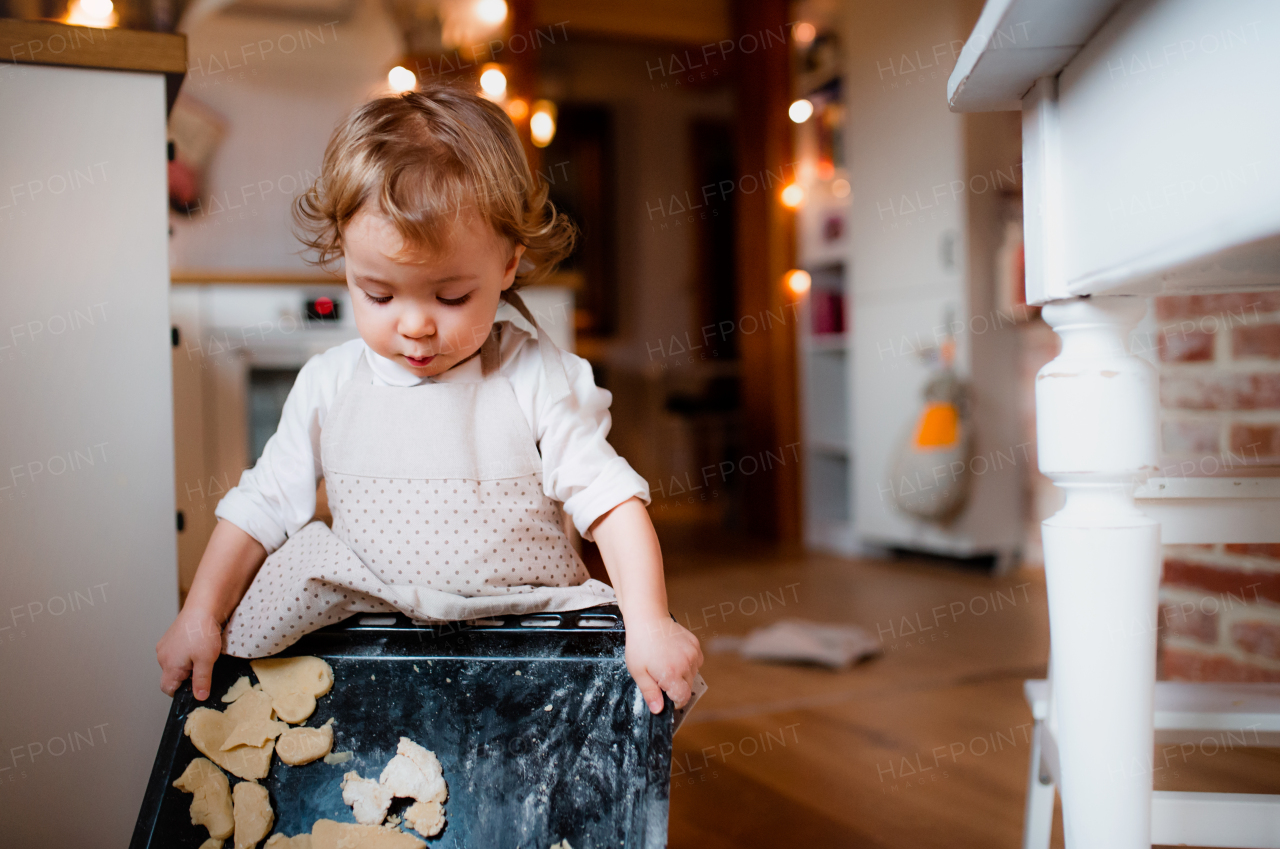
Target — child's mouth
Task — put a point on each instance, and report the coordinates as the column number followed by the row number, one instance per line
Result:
column 419, row 362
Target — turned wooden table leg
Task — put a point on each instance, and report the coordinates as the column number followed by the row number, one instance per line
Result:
column 1096, row 414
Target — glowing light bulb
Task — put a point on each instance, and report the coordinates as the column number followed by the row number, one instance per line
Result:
column 542, row 128
column 542, row 124
column 801, row 111
column 518, row 109
column 490, row 12
column 494, row 83
column 804, row 33
column 92, row 13
column 401, row 79
column 793, row 196
column 840, row 188
column 798, row 281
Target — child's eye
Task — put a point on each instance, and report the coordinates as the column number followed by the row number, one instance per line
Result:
column 455, row 302
column 381, row 300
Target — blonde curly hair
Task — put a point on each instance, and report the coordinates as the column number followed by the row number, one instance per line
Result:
column 425, row 158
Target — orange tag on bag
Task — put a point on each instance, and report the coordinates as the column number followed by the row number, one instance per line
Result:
column 939, row 426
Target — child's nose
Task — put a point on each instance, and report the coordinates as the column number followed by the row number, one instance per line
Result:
column 416, row 322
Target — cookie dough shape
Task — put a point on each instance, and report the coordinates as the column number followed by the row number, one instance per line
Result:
column 368, row 799
column 279, row 841
column 425, row 817
column 253, row 813
column 237, row 689
column 255, row 732
column 211, row 798
column 209, row 730
column 211, row 843
column 415, row 773
column 298, row 746
column 327, row 834
column 294, row 684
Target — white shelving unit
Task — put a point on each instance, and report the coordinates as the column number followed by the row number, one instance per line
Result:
column 825, row 415
column 824, row 359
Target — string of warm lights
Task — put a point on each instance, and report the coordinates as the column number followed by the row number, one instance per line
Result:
column 490, row 14
column 798, row 281
column 542, row 113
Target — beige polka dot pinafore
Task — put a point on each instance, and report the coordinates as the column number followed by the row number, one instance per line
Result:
column 438, row 512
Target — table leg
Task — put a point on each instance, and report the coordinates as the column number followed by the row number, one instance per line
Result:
column 1096, row 422
column 1037, row 827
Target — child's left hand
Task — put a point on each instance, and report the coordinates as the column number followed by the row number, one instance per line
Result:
column 662, row 655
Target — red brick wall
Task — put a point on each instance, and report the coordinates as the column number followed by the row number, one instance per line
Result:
column 1220, row 414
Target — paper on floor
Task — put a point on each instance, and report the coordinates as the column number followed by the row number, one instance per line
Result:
column 802, row 641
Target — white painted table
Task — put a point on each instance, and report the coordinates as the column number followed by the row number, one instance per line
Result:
column 1150, row 134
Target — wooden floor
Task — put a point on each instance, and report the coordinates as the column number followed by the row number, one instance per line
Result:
column 925, row 746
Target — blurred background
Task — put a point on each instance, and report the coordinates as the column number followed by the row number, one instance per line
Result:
column 801, row 278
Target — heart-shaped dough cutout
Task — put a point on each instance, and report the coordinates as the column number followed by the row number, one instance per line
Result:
column 209, row 730
column 294, row 684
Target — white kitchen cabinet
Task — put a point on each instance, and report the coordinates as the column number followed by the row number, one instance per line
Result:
column 88, row 570
column 920, row 228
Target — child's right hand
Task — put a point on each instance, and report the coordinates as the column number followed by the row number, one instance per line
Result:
column 190, row 647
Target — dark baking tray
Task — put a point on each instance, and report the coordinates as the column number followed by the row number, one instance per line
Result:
column 594, row 769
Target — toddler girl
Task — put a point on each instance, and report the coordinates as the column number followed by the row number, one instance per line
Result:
column 447, row 442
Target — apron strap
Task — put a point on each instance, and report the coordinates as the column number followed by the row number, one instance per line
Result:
column 552, row 364
column 490, row 351
column 364, row 371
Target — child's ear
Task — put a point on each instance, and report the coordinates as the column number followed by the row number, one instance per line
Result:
column 509, row 273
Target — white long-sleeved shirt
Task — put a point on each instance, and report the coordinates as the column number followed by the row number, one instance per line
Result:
column 579, row 467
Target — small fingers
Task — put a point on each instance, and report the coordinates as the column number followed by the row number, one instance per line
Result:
column 171, row 679
column 679, row 690
column 651, row 691
column 202, row 678
column 692, row 641
column 691, row 677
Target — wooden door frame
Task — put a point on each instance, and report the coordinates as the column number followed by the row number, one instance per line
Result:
column 766, row 251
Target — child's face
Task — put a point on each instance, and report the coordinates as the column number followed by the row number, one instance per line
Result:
column 432, row 310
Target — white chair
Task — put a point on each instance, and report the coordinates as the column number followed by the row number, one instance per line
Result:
column 1124, row 105
column 1230, row 716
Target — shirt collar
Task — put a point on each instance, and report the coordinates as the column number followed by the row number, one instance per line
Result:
column 394, row 374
